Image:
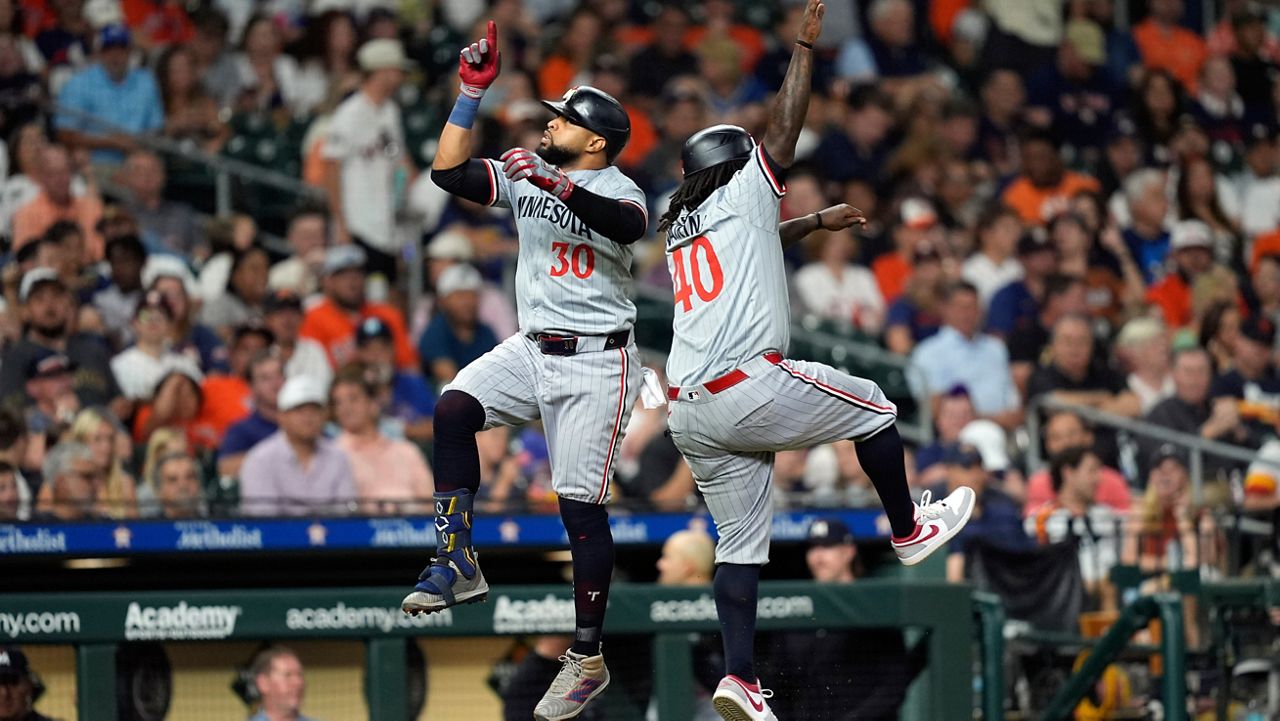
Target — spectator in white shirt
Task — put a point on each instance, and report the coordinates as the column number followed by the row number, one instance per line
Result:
column 363, row 152
column 834, row 288
column 282, row 314
column 995, row 265
column 117, row 302
column 268, row 77
column 301, row 271
column 1259, row 183
column 139, row 368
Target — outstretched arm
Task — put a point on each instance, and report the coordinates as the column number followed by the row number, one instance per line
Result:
column 453, row 168
column 837, row 217
column 792, row 101
column 478, row 66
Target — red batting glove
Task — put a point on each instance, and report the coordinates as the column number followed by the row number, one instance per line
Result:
column 479, row 62
column 521, row 164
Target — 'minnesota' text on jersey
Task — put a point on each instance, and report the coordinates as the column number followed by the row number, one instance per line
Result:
column 569, row 279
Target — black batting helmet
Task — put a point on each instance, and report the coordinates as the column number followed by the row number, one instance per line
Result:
column 598, row 112
column 715, row 145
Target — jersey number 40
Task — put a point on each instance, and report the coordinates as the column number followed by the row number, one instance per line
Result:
column 700, row 251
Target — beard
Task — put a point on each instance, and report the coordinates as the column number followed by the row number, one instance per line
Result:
column 49, row 330
column 557, row 154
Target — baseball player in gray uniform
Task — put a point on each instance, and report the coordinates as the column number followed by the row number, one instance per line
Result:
column 735, row 398
column 573, row 364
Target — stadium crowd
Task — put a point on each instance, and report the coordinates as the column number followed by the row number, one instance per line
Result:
column 1073, row 201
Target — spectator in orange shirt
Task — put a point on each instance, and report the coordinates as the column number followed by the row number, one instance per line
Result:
column 572, row 55
column 1263, row 246
column 1166, row 46
column 1045, row 187
column 332, row 322
column 228, row 397
column 720, row 22
column 609, row 74
column 917, row 222
column 55, row 202
column 1191, row 247
column 177, row 403
column 157, row 23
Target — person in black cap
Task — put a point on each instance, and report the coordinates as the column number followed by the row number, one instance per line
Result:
column 20, row 687
column 117, row 302
column 1254, row 382
column 1121, row 154
column 831, row 553
column 410, row 400
column 282, row 314
column 53, row 404
column 1255, row 72
column 1015, row 306
column 914, row 316
column 1259, row 182
column 46, row 309
column 871, row 665
column 997, row 518
column 1163, row 518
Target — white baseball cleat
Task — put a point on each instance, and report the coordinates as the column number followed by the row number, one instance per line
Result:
column 737, row 700
column 936, row 523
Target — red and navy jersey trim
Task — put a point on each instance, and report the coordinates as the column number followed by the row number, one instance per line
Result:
column 772, row 171
column 493, row 182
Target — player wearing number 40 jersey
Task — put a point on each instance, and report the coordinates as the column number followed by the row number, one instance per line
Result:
column 573, row 364
column 735, row 398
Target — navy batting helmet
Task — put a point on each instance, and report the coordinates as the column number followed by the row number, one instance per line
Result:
column 715, row 145
column 598, row 112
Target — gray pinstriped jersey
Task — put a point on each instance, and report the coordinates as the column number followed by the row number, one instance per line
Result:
column 569, row 279
column 725, row 258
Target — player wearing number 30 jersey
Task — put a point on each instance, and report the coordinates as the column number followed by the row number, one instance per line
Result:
column 573, row 364
column 735, row 398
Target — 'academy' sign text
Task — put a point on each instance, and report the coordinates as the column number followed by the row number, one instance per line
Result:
column 148, row 623
column 703, row 608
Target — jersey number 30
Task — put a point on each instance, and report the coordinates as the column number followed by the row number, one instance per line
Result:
column 683, row 288
column 583, row 261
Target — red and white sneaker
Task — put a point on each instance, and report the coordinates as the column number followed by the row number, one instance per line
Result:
column 737, row 700
column 936, row 523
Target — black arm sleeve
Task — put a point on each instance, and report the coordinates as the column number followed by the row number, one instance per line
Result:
column 621, row 221
column 470, row 180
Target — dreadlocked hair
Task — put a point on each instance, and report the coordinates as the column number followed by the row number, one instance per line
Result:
column 695, row 189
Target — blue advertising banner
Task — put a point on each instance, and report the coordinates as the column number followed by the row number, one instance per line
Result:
column 128, row 537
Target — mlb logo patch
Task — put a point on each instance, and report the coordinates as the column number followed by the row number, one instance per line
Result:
column 693, row 395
